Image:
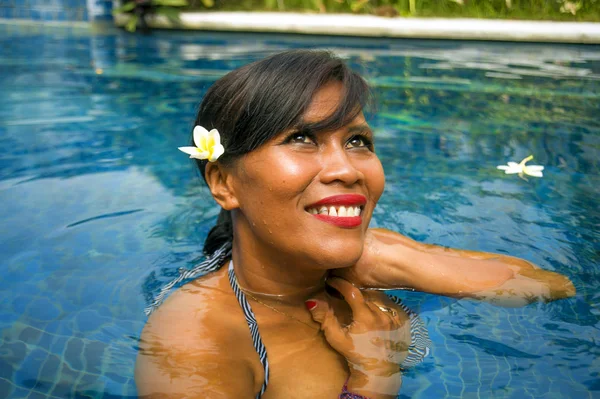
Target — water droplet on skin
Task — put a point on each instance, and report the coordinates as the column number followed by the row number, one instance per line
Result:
column 270, row 232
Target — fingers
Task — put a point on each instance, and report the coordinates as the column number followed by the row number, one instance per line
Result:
column 352, row 296
column 324, row 315
column 381, row 303
column 374, row 343
column 318, row 309
column 390, row 344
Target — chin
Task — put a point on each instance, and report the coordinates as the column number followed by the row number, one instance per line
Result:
column 336, row 254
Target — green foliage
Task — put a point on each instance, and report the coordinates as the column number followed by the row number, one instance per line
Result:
column 132, row 23
column 270, row 4
column 169, row 3
column 125, row 8
column 137, row 11
column 567, row 10
column 358, row 5
column 169, row 12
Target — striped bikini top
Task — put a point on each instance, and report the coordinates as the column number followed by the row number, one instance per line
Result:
column 417, row 350
column 252, row 325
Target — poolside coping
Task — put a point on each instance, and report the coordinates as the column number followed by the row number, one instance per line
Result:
column 374, row 26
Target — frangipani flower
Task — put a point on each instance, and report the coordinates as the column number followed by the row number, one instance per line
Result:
column 521, row 168
column 208, row 145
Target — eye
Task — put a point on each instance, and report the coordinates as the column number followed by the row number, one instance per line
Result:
column 300, row 138
column 359, row 141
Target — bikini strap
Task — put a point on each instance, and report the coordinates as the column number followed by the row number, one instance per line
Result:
column 419, row 336
column 253, row 325
column 210, row 264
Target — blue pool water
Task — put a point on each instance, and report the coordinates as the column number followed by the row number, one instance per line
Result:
column 99, row 209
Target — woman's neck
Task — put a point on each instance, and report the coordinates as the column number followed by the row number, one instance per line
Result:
column 275, row 277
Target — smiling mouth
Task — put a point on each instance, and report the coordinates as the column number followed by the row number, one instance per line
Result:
column 342, row 210
column 338, row 211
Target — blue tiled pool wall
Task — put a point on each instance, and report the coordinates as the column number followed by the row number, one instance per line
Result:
column 57, row 10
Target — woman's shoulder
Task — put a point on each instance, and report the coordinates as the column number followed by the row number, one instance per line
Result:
column 198, row 335
column 207, row 304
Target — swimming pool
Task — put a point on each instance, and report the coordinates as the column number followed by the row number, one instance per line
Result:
column 99, row 208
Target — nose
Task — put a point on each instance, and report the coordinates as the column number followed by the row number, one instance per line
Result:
column 337, row 166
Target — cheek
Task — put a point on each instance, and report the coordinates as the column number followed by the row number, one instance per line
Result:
column 290, row 169
column 288, row 172
column 276, row 178
column 375, row 178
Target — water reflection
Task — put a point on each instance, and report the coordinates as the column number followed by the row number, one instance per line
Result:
column 89, row 126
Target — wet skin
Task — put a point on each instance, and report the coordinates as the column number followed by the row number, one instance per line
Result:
column 197, row 344
column 284, row 246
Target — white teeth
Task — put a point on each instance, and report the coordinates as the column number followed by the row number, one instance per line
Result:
column 342, row 211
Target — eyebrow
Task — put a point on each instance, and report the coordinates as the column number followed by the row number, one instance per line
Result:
column 364, row 128
column 354, row 129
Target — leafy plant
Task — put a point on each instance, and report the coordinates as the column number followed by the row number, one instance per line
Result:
column 568, row 10
column 138, row 10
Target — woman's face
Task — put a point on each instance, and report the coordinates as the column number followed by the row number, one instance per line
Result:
column 292, row 190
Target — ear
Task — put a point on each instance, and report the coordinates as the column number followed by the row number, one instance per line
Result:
column 220, row 184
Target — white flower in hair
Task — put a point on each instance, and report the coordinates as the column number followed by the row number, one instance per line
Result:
column 208, row 145
column 521, row 168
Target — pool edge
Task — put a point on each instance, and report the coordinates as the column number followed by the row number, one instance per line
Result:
column 374, row 26
column 359, row 26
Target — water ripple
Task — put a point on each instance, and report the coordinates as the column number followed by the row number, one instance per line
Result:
column 104, row 216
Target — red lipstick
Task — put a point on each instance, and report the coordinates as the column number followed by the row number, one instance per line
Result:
column 346, row 200
column 347, row 222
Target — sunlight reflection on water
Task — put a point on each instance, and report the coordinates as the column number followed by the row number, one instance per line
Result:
column 78, row 146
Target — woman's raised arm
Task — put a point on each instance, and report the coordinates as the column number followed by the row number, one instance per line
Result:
column 391, row 260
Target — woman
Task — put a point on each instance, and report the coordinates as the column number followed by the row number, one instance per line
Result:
column 297, row 181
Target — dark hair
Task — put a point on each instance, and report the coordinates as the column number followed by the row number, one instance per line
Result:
column 258, row 101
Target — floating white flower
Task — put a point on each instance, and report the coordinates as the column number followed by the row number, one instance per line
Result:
column 521, row 168
column 208, row 145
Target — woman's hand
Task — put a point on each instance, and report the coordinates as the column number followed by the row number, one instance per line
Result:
column 374, row 343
